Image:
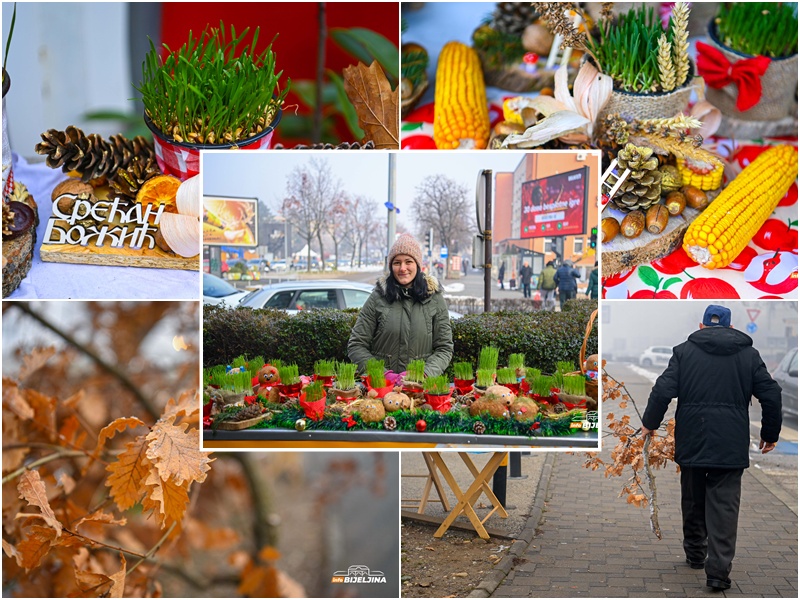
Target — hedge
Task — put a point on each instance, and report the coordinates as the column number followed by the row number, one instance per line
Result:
column 544, row 337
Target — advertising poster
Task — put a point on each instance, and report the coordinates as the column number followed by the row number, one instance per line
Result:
column 554, row 205
column 230, row 221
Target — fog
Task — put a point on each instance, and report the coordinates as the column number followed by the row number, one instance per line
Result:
column 629, row 327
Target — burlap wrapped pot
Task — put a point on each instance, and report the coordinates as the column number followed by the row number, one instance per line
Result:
column 778, row 87
column 631, row 105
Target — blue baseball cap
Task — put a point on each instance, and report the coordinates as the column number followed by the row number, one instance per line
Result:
column 717, row 316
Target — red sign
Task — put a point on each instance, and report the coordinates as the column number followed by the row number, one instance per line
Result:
column 753, row 314
column 554, row 205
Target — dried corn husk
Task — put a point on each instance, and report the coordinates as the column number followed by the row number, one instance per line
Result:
column 181, row 233
column 554, row 126
column 591, row 92
column 188, row 197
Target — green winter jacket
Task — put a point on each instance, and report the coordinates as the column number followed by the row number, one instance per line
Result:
column 403, row 331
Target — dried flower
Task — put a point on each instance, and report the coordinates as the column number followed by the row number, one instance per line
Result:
column 666, row 70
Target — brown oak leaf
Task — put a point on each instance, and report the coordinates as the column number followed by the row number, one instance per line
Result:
column 31, row 488
column 35, row 547
column 35, row 360
column 377, row 106
column 11, row 551
column 167, row 499
column 116, row 426
column 12, row 457
column 44, row 412
column 258, row 581
column 101, row 585
column 202, row 536
column 127, row 474
column 187, row 404
column 15, row 400
column 101, row 517
column 176, row 452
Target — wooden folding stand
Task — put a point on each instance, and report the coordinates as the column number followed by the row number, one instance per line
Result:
column 431, row 480
column 466, row 500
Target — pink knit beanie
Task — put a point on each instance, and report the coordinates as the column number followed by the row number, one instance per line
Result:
column 406, row 244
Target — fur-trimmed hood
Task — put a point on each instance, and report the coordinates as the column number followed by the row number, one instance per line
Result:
column 434, row 287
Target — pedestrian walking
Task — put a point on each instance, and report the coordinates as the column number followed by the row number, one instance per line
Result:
column 591, row 289
column 501, row 275
column 714, row 375
column 566, row 279
column 405, row 318
column 547, row 286
column 525, row 274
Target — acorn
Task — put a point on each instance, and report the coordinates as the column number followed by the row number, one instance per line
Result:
column 610, row 228
column 633, row 224
column 675, row 203
column 657, row 218
column 695, row 198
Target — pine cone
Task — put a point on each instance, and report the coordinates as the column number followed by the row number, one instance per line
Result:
column 642, row 188
column 249, row 412
column 90, row 155
column 128, row 180
column 390, row 423
column 513, row 17
column 479, row 428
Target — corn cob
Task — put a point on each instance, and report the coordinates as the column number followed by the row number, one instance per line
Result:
column 725, row 228
column 461, row 118
column 703, row 179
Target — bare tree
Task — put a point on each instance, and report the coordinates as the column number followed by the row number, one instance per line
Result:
column 442, row 204
column 362, row 220
column 337, row 223
column 310, row 190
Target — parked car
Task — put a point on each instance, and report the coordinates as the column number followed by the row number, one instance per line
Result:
column 293, row 296
column 278, row 265
column 219, row 291
column 655, row 356
column 786, row 375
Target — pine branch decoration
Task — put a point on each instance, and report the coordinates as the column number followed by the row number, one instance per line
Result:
column 680, row 41
column 666, row 70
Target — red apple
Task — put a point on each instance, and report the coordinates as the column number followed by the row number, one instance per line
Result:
column 741, row 262
column 791, row 196
column 650, row 294
column 674, row 263
column 776, row 235
column 708, row 287
column 618, row 278
column 773, row 273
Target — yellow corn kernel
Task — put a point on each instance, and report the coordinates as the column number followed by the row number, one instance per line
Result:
column 704, row 181
column 741, row 209
column 461, row 115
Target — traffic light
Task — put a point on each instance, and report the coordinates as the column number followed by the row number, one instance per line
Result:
column 593, row 238
column 430, row 239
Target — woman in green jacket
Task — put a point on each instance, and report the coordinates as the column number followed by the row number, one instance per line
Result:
column 405, row 318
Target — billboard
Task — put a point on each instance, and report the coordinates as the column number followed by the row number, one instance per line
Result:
column 230, row 221
column 555, row 205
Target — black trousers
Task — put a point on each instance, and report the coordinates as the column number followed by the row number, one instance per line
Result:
column 710, row 506
column 563, row 296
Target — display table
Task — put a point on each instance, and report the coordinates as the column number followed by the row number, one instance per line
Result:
column 68, row 281
column 268, row 438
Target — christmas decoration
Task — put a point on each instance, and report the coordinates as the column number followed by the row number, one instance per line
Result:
column 300, row 425
column 479, row 428
column 421, row 425
column 390, row 423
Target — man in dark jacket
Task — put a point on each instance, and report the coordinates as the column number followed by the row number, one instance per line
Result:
column 566, row 279
column 501, row 274
column 714, row 375
column 525, row 274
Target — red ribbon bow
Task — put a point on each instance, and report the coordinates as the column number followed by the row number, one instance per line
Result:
column 718, row 72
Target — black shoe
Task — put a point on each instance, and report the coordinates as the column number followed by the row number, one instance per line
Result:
column 717, row 586
column 695, row 565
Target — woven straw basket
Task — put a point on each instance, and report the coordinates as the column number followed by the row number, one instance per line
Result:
column 591, row 385
column 631, row 105
column 778, row 87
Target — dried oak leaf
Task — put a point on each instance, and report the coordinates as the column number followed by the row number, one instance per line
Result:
column 116, row 426
column 258, row 581
column 127, row 473
column 176, row 452
column 187, row 404
column 101, row 517
column 101, row 585
column 35, row 360
column 35, row 547
column 31, row 488
column 377, row 106
column 11, row 551
column 15, row 400
column 202, row 536
column 167, row 499
column 44, row 412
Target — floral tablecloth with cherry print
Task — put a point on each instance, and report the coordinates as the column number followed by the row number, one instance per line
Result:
column 766, row 268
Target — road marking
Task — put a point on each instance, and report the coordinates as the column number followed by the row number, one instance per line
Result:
column 649, row 375
column 787, row 435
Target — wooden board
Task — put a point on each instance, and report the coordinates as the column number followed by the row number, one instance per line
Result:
column 238, row 425
column 623, row 253
column 117, row 257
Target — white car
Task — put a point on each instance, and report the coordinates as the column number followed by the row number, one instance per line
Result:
column 219, row 291
column 655, row 356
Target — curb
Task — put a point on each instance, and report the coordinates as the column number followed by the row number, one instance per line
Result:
column 499, row 572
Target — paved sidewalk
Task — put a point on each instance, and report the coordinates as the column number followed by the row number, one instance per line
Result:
column 590, row 543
